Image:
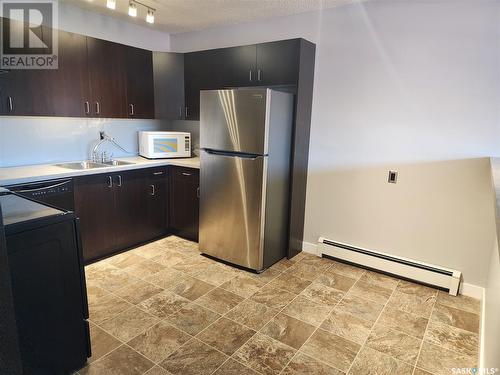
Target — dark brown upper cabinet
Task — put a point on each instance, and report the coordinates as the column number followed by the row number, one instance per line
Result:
column 140, row 86
column 168, row 73
column 278, row 63
column 108, row 79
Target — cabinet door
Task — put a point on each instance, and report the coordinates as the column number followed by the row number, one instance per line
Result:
column 239, row 66
column 157, row 202
column 184, row 202
column 68, row 86
column 95, row 206
column 131, row 208
column 278, row 63
column 140, row 88
column 168, row 71
column 108, row 79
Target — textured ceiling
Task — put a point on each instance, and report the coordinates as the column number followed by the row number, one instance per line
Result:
column 175, row 16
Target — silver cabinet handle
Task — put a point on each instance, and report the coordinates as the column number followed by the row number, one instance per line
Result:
column 11, row 106
column 119, row 181
column 198, row 192
column 157, row 173
column 97, row 108
column 186, row 174
column 87, row 108
column 152, row 190
column 180, row 113
column 186, row 112
column 110, row 182
column 131, row 109
column 250, row 75
column 259, row 75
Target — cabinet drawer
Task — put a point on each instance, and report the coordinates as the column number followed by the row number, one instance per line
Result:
column 185, row 173
column 157, row 173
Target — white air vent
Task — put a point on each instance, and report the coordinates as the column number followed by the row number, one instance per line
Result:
column 402, row 267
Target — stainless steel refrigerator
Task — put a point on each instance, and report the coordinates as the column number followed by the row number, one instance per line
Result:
column 245, row 142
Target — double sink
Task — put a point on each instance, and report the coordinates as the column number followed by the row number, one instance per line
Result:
column 81, row 165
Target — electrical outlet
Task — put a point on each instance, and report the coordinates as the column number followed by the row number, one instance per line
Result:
column 393, row 177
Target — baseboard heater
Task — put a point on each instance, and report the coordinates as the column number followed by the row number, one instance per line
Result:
column 437, row 276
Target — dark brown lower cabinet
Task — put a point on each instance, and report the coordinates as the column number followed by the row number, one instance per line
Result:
column 157, row 202
column 115, row 211
column 184, row 202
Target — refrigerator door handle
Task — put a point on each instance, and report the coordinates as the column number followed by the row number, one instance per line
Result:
column 243, row 155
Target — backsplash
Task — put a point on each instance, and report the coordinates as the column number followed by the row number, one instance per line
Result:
column 42, row 140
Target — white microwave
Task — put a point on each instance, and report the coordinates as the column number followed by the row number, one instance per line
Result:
column 158, row 145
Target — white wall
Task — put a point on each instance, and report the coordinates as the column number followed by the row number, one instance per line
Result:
column 80, row 21
column 409, row 85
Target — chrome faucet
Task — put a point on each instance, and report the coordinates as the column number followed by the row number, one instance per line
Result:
column 102, row 157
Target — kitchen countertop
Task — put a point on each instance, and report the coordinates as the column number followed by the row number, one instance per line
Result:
column 40, row 172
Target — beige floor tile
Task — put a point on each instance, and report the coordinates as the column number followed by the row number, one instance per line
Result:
column 163, row 304
column 138, row 292
column 166, row 278
column 394, row 343
column 301, row 364
column 157, row 370
column 111, row 279
column 361, row 308
column 419, row 371
column 122, row 361
column 219, row 300
column 252, row 314
column 194, row 358
column 264, row 354
column 304, row 271
column 372, row 292
column 380, row 279
column 335, row 280
column 169, row 259
column 272, row 297
column 290, row 283
column 322, row 294
column 226, row 335
column 192, row 288
column 193, row 265
column 460, row 302
column 347, row 270
column 284, row 264
column 411, row 303
column 231, row 367
column 372, row 362
column 192, row 318
column 144, row 269
column 129, row 323
column 410, row 324
column 102, row 343
column 321, row 264
column 347, row 326
column 159, row 341
column 94, row 293
column 106, row 307
column 308, row 311
column 332, row 349
column 288, row 330
column 456, row 318
column 265, row 276
column 452, row 338
column 215, row 275
column 125, row 260
column 441, row 361
column 243, row 285
column 415, row 289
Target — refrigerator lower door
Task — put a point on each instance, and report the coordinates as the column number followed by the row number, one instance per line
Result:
column 231, row 208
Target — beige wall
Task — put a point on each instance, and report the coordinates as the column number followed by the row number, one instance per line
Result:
column 438, row 212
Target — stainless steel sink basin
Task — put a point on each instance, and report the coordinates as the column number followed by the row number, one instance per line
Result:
column 81, row 165
column 115, row 163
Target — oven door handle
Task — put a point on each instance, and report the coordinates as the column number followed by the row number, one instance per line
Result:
column 41, row 188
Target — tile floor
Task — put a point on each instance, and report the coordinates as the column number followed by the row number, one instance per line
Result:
column 165, row 309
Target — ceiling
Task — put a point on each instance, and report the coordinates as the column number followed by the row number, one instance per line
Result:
column 175, row 16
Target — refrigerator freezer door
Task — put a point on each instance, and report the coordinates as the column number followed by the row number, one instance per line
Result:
column 231, row 208
column 234, row 120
